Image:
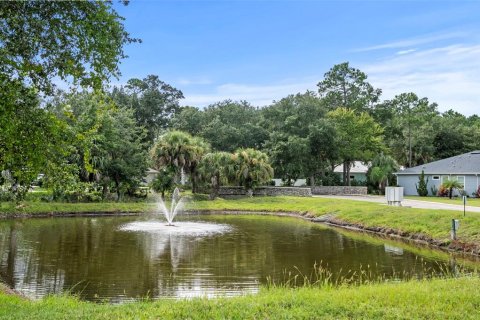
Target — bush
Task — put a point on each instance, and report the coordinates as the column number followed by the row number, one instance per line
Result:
column 79, row 192
column 442, row 192
column 422, row 185
column 434, row 190
column 477, row 193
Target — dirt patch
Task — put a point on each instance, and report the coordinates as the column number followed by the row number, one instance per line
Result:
column 9, row 291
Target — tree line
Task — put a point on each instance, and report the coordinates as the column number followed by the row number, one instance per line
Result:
column 93, row 139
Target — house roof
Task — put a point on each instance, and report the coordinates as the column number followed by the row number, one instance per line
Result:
column 357, row 167
column 467, row 163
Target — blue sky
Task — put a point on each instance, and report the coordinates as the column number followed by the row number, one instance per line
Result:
column 261, row 51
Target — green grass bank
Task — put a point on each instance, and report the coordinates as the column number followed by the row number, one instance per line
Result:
column 406, row 222
column 432, row 226
column 427, row 299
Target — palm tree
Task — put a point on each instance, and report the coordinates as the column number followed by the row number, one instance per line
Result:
column 451, row 184
column 197, row 149
column 217, row 168
column 382, row 170
column 180, row 151
column 171, row 150
column 251, row 168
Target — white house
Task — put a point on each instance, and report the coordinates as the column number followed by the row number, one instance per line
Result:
column 358, row 171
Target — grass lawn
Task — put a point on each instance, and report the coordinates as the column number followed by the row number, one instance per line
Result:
column 427, row 299
column 35, row 207
column 474, row 202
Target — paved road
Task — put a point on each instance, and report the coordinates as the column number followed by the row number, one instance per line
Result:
column 409, row 203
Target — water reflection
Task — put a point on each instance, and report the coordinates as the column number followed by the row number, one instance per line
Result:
column 96, row 259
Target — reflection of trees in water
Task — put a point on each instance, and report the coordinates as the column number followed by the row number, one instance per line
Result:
column 94, row 257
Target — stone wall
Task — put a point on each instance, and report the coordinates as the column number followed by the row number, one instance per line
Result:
column 266, row 191
column 339, row 190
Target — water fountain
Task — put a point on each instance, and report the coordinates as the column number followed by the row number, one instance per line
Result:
column 174, row 207
column 184, row 228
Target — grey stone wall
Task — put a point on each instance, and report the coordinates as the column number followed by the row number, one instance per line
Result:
column 267, row 191
column 339, row 190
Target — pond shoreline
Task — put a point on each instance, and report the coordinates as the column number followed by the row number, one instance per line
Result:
column 454, row 246
column 329, row 219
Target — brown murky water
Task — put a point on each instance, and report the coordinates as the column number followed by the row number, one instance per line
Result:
column 97, row 259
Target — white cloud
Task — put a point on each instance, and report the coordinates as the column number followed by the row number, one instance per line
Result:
column 193, row 81
column 447, row 75
column 258, row 95
column 414, row 41
column 401, row 52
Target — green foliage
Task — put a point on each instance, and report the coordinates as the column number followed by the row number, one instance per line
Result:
column 216, row 169
column 153, row 101
column 107, row 146
column 359, row 137
column 80, row 192
column 164, row 181
column 346, row 87
column 78, row 40
column 226, row 125
column 301, row 142
column 252, row 168
column 30, row 136
column 422, row 187
column 451, row 184
column 179, row 151
column 381, row 170
column 410, row 129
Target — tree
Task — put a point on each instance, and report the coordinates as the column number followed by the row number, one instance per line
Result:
column 199, row 148
column 322, row 140
column 78, row 40
column 122, row 151
column 414, row 133
column 382, row 169
column 292, row 146
column 289, row 155
column 164, row 181
column 108, row 145
column 451, row 184
column 453, row 135
column 30, row 137
column 189, row 119
column 422, row 187
column 359, row 138
column 344, row 86
column 154, row 103
column 226, row 125
column 180, row 151
column 217, row 168
column 252, row 168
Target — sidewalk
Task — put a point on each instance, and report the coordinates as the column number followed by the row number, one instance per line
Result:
column 408, row 203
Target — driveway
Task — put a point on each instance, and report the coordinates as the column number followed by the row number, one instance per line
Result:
column 408, row 203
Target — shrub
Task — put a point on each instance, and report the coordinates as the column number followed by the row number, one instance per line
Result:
column 477, row 193
column 442, row 191
column 434, row 190
column 422, row 185
column 79, row 192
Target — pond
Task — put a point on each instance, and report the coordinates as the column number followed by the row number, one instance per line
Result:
column 104, row 258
